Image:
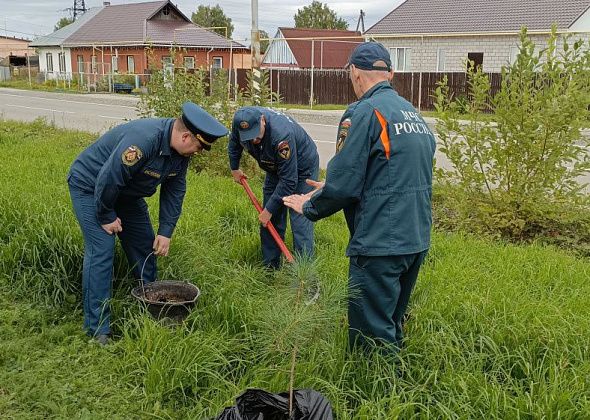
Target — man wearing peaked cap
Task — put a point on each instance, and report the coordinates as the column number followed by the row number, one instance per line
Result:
column 108, row 182
column 289, row 156
column 381, row 177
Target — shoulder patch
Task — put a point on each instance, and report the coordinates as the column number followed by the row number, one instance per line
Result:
column 131, row 155
column 284, row 150
column 343, row 133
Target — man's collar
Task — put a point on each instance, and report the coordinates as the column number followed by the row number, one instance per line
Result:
column 377, row 86
column 165, row 149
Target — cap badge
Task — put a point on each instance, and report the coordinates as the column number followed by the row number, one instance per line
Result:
column 244, row 125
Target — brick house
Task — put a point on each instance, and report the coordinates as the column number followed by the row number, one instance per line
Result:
column 129, row 38
column 15, row 48
column 300, row 48
column 440, row 35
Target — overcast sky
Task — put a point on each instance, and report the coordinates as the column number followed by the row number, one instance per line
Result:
column 28, row 18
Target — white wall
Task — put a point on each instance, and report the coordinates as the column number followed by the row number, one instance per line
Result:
column 496, row 50
column 583, row 23
column 279, row 53
column 55, row 74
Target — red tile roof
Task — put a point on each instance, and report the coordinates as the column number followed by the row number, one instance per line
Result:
column 332, row 53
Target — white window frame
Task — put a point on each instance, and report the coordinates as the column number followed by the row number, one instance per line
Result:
column 114, row 64
column 513, row 54
column 93, row 64
column 167, row 61
column 441, row 60
column 189, row 58
column 49, row 61
column 217, row 63
column 61, row 62
column 131, row 68
column 407, row 63
column 80, row 61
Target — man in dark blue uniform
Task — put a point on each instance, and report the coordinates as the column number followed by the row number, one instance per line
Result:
column 381, row 176
column 289, row 156
column 108, row 182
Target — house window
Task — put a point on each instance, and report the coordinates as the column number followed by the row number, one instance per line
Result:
column 441, row 60
column 93, row 66
column 115, row 63
column 477, row 59
column 217, row 62
column 189, row 62
column 513, row 55
column 61, row 57
column 401, row 58
column 130, row 64
column 49, row 58
column 167, row 61
column 80, row 60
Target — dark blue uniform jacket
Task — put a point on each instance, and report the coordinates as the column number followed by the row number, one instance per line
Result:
column 381, row 176
column 128, row 163
column 299, row 165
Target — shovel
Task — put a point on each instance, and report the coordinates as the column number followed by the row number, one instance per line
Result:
column 269, row 225
column 314, row 293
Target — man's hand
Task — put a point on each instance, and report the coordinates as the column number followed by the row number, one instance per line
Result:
column 161, row 245
column 113, row 227
column 264, row 217
column 296, row 201
column 317, row 185
column 238, row 175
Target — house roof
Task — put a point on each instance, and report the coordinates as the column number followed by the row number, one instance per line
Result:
column 186, row 34
column 332, row 53
column 478, row 16
column 136, row 24
column 56, row 38
column 14, row 38
column 123, row 23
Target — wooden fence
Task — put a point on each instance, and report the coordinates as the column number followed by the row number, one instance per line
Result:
column 334, row 86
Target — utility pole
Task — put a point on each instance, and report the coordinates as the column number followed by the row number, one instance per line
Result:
column 255, row 45
column 255, row 35
column 361, row 22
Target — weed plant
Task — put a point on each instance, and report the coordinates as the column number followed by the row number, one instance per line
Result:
column 495, row 330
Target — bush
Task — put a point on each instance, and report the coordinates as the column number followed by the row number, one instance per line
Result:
column 518, row 177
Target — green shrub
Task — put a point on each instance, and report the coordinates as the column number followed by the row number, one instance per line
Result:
column 518, row 176
column 124, row 78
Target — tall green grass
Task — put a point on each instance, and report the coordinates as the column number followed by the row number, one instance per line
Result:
column 496, row 330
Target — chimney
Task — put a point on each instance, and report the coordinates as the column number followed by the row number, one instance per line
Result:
column 106, row 3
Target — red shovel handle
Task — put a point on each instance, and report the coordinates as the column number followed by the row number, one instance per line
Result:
column 269, row 225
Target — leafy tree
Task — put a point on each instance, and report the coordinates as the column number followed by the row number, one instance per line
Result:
column 211, row 16
column 319, row 16
column 64, row 21
column 518, row 176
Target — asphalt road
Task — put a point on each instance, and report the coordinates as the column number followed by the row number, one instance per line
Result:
column 99, row 112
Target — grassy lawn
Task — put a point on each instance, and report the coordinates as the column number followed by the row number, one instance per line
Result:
column 496, row 331
column 47, row 87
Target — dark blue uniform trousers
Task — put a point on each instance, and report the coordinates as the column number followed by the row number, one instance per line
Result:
column 301, row 226
column 136, row 238
column 380, row 289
